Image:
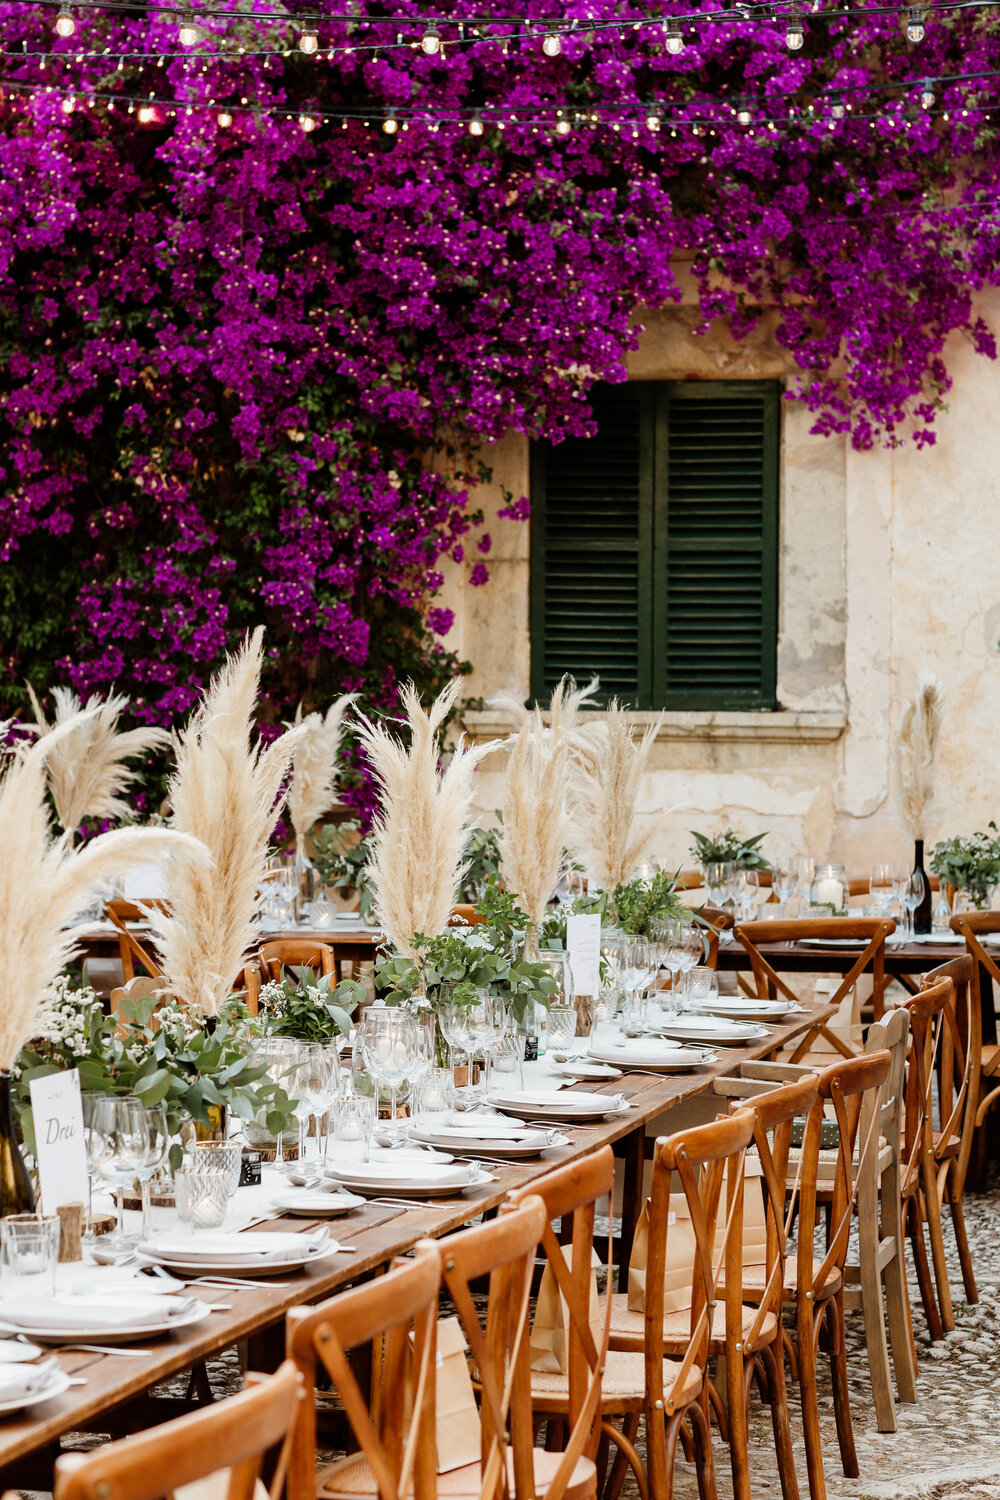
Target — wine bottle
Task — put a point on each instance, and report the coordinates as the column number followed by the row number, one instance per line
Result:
column 16, row 1194
column 922, row 913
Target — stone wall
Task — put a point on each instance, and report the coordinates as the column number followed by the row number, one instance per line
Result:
column 890, row 561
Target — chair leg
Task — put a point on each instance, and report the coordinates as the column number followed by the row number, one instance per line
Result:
column 808, row 1398
column 701, row 1431
column 923, row 1270
column 841, row 1389
column 897, row 1306
column 628, row 1431
column 932, row 1209
column 774, row 1363
column 625, row 1446
column 739, row 1436
column 957, row 1210
column 874, row 1315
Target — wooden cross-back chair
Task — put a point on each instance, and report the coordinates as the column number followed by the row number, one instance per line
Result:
column 295, row 953
column 716, row 922
column 235, row 1435
column 386, row 1312
column 928, row 1011
column 677, row 1345
column 974, row 927
column 959, row 1072
column 871, row 931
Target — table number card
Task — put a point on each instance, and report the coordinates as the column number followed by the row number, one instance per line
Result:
column 583, row 943
column 60, row 1151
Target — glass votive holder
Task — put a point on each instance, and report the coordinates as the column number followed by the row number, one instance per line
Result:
column 29, row 1250
column 201, row 1197
column 507, row 1060
column 606, row 1005
column 434, row 1092
column 632, row 1014
column 214, row 1156
column 701, row 986
column 352, row 1120
column 561, row 1027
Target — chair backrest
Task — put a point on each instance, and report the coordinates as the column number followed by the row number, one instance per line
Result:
column 503, row 1249
column 928, row 1011
column 306, row 953
column 854, row 1089
column 961, row 1057
column 234, row 1434
column 574, row 1190
column 717, row 921
column 774, row 1114
column 120, row 913
column 871, row 931
column 973, row 926
column 701, row 1158
column 384, row 1312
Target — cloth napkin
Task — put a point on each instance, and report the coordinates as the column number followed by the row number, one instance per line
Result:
column 271, row 1244
column 20, row 1381
column 43, row 1313
column 480, row 1123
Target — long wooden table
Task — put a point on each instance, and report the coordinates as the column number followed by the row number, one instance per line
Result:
column 375, row 1234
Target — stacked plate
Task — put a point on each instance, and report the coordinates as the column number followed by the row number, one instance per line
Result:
column 586, row 1072
column 536, row 1104
column 261, row 1253
column 478, row 1134
column 745, row 1008
column 650, row 1054
column 408, row 1179
column 21, row 1386
column 118, row 1318
column 716, row 1031
column 317, row 1202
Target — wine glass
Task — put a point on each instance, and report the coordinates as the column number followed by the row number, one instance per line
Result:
column 914, row 891
column 785, row 879
column 882, row 886
column 387, row 1037
column 94, row 1147
column 313, row 1083
column 487, row 1019
column 120, row 1142
column 453, row 1018
column 148, row 1123
column 422, row 1055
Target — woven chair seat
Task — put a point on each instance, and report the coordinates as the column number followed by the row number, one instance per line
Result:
column 352, row 1479
column 755, row 1279
column 623, row 1384
column 628, row 1328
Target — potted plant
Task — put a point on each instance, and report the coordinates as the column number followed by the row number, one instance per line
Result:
column 308, row 1009
column 729, row 849
column 971, row 864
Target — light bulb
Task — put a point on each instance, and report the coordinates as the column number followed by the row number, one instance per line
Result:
column 431, row 40
column 65, row 25
column 652, row 121
column 309, row 41
column 928, row 98
column 743, row 115
column 188, row 33
column 915, row 26
column 795, row 35
column 68, row 106
column 476, row 124
column 148, row 114
column 672, row 39
column 563, row 127
column 552, row 45
column 307, row 123
column 389, row 124
column 838, row 109
column 225, row 119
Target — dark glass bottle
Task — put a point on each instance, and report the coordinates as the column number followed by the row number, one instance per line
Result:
column 922, row 913
column 16, row 1195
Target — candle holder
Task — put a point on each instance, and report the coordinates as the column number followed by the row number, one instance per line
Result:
column 828, row 892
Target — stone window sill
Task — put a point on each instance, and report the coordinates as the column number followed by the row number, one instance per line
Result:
column 780, row 727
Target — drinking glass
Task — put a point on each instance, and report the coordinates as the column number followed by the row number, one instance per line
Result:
column 716, row 873
column 561, row 1027
column 432, row 1095
column 352, row 1121
column 701, row 987
column 93, row 1147
column 313, row 1082
column 690, row 947
column 882, row 886
column 508, row 1058
column 453, row 1018
column 632, row 1014
column 488, row 1019
column 568, row 887
column 784, row 877
column 215, row 1156
column 914, row 891
column 606, row 1006
column 149, row 1123
column 29, row 1250
column 421, row 1056
column 202, row 1197
column 120, row 1146
column 387, row 1038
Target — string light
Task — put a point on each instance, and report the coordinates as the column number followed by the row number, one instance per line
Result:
column 743, row 115
column 309, row 40
column 795, row 35
column 928, row 98
column 431, row 40
column 65, row 24
column 389, row 124
column 225, row 119
column 307, row 123
column 672, row 39
column 476, row 124
column 653, row 121
column 837, row 108
column 188, row 33
column 915, row 26
column 552, row 45
column 562, row 127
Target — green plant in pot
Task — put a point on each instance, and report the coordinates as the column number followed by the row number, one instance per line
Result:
column 639, row 903
column 971, row 864
column 310, row 1008
column 729, row 849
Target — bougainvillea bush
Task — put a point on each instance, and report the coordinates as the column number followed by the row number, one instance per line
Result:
column 250, row 340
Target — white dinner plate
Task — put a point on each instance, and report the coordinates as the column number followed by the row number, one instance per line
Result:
column 816, row 942
column 518, row 1145
column 649, row 1055
column 374, row 1179
column 949, row 939
column 568, row 1106
column 712, row 1029
column 283, row 1248
column 13, row 1352
column 60, row 1382
column 587, row 1072
column 747, row 1009
column 318, row 1204
column 114, row 1333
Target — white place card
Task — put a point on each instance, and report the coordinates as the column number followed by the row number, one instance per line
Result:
column 60, row 1151
column 583, row 943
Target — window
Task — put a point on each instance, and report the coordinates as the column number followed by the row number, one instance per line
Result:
column 654, row 547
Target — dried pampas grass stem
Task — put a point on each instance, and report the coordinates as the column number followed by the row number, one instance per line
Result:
column 228, row 792
column 564, row 705
column 85, row 766
column 417, row 843
column 314, row 768
column 536, row 823
column 916, row 753
column 609, row 766
column 45, row 884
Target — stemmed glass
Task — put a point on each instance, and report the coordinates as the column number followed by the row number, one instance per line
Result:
column 487, row 1019
column 914, row 891
column 453, row 1018
column 882, row 886
column 314, row 1082
column 422, row 1055
column 149, row 1123
column 785, row 880
column 94, row 1147
column 387, row 1035
column 119, row 1146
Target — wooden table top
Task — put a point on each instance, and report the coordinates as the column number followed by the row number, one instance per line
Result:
column 376, row 1234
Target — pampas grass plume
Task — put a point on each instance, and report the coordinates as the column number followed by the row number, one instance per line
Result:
column 916, row 752
column 536, row 822
column 85, row 767
column 609, row 766
column 45, row 883
column 417, row 843
column 314, row 767
column 564, row 705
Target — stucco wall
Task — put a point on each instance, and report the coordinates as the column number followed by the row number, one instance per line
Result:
column 890, row 561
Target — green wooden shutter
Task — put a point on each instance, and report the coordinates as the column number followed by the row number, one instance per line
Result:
column 591, row 551
column 716, row 545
